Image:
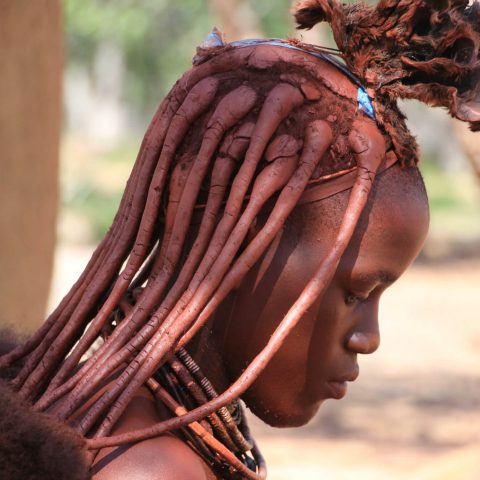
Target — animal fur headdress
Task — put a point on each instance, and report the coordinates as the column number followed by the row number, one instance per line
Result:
column 423, row 49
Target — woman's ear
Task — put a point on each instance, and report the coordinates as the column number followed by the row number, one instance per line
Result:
column 310, row 12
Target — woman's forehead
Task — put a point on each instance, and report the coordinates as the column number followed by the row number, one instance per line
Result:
column 397, row 210
column 329, row 185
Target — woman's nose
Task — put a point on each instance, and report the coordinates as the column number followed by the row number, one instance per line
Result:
column 363, row 342
column 365, row 336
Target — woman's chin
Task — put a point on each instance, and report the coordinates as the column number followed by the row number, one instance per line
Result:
column 283, row 416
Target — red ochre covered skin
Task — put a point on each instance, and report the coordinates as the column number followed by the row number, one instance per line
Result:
column 222, row 245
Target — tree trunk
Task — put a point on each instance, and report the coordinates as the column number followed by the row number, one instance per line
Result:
column 30, row 116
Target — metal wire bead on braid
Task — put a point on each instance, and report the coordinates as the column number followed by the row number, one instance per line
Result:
column 224, row 413
column 183, row 379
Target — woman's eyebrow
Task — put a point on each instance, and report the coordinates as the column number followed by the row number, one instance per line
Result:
column 387, row 277
column 380, row 276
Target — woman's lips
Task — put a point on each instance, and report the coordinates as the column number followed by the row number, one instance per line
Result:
column 338, row 387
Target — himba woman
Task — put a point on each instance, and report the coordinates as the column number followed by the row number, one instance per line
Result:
column 274, row 199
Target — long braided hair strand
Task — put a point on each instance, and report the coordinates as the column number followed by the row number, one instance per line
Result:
column 231, row 138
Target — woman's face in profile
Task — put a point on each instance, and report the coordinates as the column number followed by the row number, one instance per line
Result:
column 320, row 356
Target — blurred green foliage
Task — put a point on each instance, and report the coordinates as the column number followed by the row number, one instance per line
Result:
column 454, row 198
column 158, row 37
column 92, row 186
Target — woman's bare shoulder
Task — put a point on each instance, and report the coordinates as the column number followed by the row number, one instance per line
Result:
column 161, row 458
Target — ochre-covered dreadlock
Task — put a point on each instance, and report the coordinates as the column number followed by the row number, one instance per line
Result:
column 243, row 137
column 423, row 49
column 248, row 128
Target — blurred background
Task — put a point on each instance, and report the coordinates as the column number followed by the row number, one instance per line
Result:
column 80, row 80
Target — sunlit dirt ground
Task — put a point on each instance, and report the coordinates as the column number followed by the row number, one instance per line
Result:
column 413, row 413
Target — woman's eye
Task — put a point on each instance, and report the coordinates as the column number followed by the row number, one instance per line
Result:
column 351, row 298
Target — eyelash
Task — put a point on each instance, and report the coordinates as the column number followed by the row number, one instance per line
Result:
column 351, row 299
